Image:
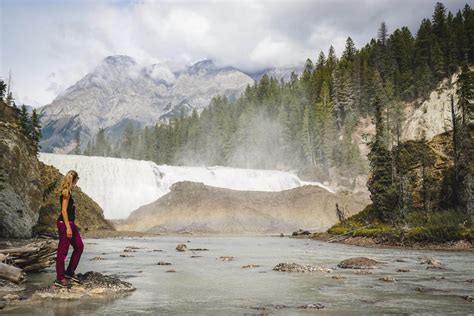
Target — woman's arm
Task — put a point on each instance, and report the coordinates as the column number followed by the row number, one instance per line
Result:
column 65, row 217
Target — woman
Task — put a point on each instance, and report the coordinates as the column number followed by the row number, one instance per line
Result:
column 68, row 233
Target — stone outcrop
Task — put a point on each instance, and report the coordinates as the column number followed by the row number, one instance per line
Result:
column 20, row 190
column 93, row 284
column 29, row 197
column 200, row 208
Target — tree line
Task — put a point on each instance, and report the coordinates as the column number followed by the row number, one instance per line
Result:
column 308, row 122
column 29, row 125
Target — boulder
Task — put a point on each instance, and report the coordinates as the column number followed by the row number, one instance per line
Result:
column 181, row 247
column 358, row 263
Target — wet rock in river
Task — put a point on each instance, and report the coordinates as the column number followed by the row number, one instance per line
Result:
column 423, row 289
column 338, row 277
column 162, row 263
column 469, row 298
column 388, row 279
column 227, row 258
column 431, row 262
column 198, row 249
column 97, row 258
column 301, row 232
column 403, row 270
column 171, row 271
column 362, row 272
column 250, row 266
column 311, row 306
column 8, row 286
column 358, row 263
column 296, row 267
column 92, row 284
column 126, row 256
column 181, row 247
column 11, row 297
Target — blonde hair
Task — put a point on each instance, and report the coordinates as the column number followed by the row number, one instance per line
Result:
column 66, row 184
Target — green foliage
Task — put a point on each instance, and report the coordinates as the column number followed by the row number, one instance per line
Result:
column 3, row 88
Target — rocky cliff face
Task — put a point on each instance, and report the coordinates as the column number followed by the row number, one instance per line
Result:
column 195, row 207
column 433, row 116
column 20, row 189
column 26, row 186
column 89, row 215
column 428, row 172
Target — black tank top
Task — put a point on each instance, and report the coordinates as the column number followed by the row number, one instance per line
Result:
column 71, row 209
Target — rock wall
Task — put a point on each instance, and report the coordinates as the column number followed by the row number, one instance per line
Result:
column 28, row 199
column 20, row 191
column 196, row 207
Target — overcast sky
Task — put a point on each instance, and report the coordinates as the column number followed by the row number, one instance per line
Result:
column 50, row 44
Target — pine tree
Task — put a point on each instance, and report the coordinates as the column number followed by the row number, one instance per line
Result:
column 3, row 88
column 382, row 192
column 35, row 130
column 325, row 128
column 465, row 94
column 350, row 50
column 25, row 122
column 383, row 34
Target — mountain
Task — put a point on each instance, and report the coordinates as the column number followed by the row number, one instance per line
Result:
column 120, row 90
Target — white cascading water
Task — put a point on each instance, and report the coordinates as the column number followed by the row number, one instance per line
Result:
column 120, row 186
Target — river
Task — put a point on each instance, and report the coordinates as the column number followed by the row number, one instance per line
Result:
column 205, row 284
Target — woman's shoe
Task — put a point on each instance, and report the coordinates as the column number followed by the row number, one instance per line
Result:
column 73, row 278
column 62, row 283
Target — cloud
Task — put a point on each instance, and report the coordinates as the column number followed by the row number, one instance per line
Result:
column 69, row 38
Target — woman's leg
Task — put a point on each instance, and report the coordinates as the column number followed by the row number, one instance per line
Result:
column 63, row 248
column 76, row 242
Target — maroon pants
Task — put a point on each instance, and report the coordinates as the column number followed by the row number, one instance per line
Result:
column 63, row 248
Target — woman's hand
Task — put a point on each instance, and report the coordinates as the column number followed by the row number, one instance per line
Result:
column 68, row 232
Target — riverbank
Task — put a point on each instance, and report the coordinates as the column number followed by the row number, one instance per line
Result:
column 370, row 242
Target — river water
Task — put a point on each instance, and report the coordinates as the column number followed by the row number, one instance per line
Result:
column 207, row 285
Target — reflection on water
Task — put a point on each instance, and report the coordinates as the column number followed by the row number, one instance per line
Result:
column 204, row 284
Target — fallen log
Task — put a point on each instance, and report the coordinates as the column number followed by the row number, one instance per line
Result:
column 34, row 256
column 11, row 273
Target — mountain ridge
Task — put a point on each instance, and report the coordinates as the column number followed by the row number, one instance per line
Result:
column 120, row 89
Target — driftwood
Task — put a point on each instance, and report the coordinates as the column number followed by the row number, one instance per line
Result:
column 34, row 256
column 11, row 273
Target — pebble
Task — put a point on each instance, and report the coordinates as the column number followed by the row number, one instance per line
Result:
column 162, row 263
